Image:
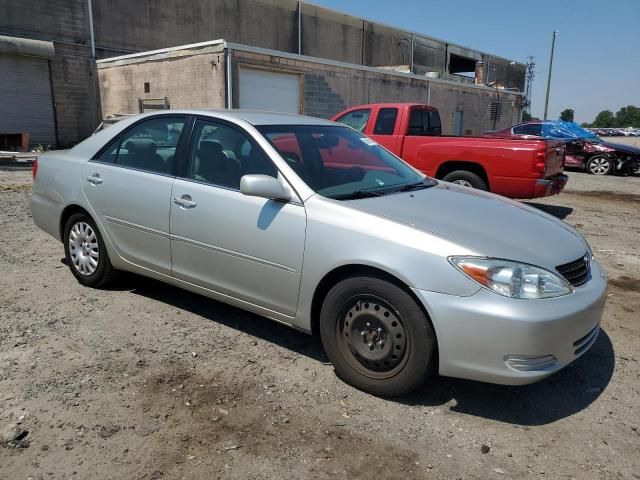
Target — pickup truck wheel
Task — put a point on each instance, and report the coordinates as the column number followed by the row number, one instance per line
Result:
column 466, row 178
column 599, row 165
column 85, row 252
column 377, row 337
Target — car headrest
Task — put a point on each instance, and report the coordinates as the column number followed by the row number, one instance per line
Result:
column 210, row 148
column 142, row 146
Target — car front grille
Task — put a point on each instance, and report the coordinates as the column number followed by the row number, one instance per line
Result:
column 576, row 272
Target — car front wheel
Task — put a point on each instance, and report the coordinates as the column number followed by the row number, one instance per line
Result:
column 377, row 336
column 86, row 253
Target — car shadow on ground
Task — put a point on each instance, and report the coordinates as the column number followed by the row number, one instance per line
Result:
column 227, row 315
column 555, row 210
column 564, row 394
column 561, row 395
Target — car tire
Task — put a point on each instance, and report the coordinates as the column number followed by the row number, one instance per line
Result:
column 377, row 336
column 86, row 253
column 466, row 178
column 599, row 165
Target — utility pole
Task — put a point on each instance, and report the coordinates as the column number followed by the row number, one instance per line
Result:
column 546, row 100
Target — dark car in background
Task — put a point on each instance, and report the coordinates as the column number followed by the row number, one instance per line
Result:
column 584, row 149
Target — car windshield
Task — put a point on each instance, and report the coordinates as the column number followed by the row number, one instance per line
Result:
column 338, row 162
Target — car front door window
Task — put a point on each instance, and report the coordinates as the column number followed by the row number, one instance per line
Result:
column 220, row 155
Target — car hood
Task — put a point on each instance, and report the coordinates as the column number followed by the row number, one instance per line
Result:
column 487, row 224
column 623, row 148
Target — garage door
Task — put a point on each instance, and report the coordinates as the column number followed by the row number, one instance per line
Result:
column 272, row 91
column 25, row 98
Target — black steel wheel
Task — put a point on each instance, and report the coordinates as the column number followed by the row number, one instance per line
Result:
column 377, row 337
column 371, row 335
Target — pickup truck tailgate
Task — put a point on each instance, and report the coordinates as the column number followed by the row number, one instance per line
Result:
column 554, row 164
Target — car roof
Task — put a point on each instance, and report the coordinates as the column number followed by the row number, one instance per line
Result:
column 257, row 117
column 392, row 105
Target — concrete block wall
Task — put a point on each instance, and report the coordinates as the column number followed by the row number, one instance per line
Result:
column 151, row 24
column 189, row 81
column 331, row 35
column 330, row 89
column 75, row 95
column 65, row 23
column 61, row 20
column 124, row 26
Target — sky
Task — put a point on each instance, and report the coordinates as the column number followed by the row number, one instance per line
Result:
column 597, row 57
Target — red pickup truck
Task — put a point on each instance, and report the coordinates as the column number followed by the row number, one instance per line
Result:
column 516, row 168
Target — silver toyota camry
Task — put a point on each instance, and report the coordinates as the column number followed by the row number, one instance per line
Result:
column 311, row 224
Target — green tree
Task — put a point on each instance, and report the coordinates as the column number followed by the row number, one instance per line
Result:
column 526, row 116
column 567, row 115
column 605, row 119
column 628, row 116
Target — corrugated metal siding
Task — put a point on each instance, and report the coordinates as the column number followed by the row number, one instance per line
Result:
column 25, row 98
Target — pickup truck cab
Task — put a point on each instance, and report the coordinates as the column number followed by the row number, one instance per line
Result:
column 515, row 168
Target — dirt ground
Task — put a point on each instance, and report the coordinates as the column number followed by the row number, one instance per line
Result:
column 146, row 381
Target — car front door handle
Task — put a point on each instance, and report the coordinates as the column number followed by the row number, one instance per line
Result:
column 184, row 201
column 95, row 179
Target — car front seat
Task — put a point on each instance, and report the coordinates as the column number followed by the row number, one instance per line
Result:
column 215, row 167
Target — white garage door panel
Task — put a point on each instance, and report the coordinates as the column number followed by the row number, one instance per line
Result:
column 25, row 98
column 272, row 91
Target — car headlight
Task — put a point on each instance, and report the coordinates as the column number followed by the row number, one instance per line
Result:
column 513, row 279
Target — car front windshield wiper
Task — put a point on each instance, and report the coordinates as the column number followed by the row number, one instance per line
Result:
column 358, row 194
column 414, row 186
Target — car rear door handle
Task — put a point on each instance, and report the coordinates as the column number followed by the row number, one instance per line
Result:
column 95, row 179
column 184, row 201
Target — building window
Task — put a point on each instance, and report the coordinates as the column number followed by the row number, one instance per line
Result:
column 147, row 87
column 459, row 65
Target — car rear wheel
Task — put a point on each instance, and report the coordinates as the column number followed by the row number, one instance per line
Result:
column 467, row 179
column 85, row 252
column 377, row 337
column 599, row 165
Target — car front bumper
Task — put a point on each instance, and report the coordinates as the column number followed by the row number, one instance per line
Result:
column 491, row 338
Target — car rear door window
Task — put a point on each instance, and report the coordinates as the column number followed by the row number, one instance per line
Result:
column 386, row 121
column 528, row 129
column 356, row 119
column 220, row 155
column 424, row 122
column 435, row 128
column 151, row 145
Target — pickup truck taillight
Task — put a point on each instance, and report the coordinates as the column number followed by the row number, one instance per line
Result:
column 540, row 161
column 34, row 169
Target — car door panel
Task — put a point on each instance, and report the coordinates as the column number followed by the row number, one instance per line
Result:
column 133, row 209
column 128, row 186
column 248, row 248
column 384, row 130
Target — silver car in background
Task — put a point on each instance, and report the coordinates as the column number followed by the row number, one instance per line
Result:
column 311, row 224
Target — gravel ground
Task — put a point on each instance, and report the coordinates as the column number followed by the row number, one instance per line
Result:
column 146, row 381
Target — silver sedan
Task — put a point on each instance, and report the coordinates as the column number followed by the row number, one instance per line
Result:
column 311, row 224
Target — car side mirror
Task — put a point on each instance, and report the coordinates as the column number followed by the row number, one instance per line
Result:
column 263, row 186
